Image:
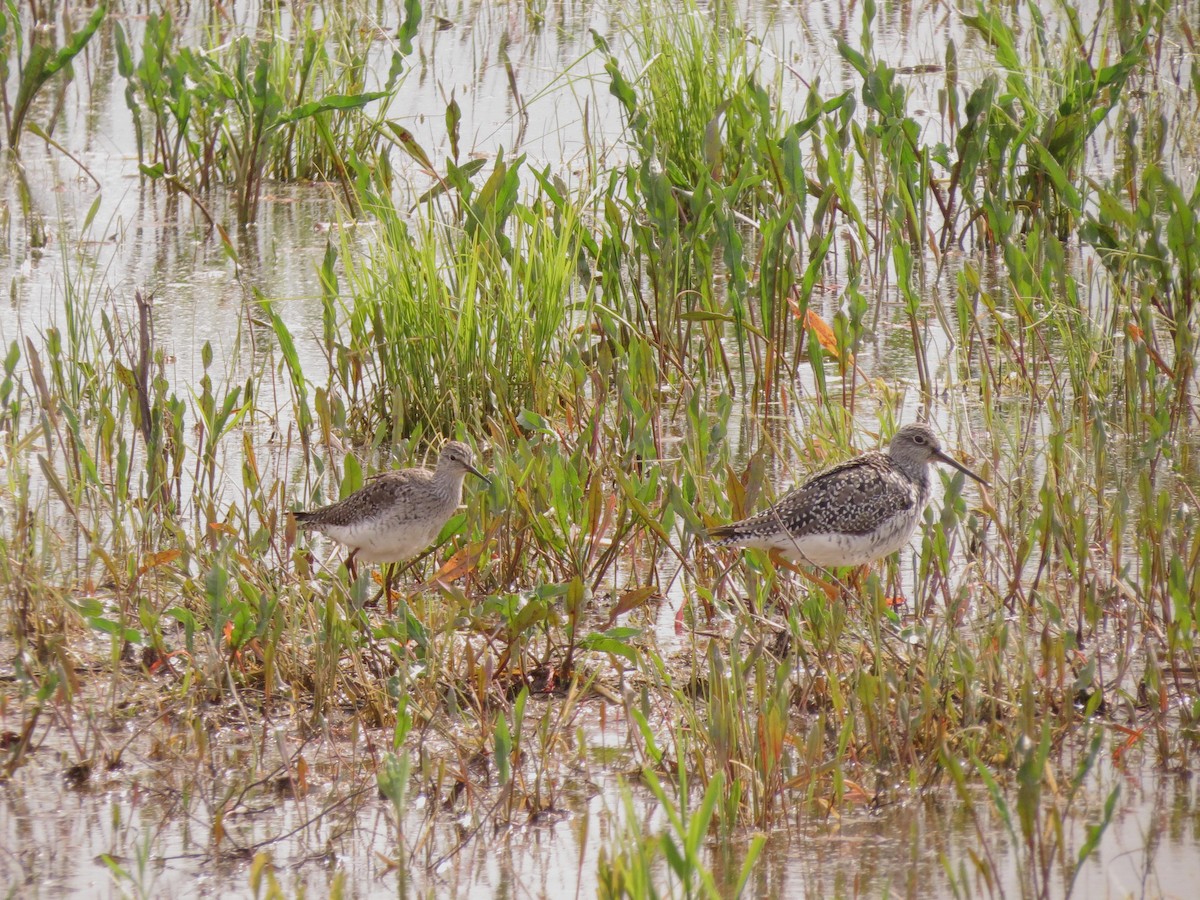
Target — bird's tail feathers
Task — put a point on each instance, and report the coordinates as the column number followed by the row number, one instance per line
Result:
column 720, row 533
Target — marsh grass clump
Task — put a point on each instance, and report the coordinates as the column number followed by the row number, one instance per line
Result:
column 288, row 105
column 695, row 108
column 466, row 320
column 30, row 51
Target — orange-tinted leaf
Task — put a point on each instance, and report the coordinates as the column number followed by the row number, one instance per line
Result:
column 1139, row 337
column 154, row 560
column 388, row 864
column 602, row 529
column 412, row 148
column 735, row 491
column 460, row 563
column 463, row 561
column 680, row 618
column 855, row 791
column 629, row 601
column 823, row 332
column 1134, row 735
column 793, row 302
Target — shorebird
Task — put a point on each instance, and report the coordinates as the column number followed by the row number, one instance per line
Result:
column 396, row 514
column 851, row 514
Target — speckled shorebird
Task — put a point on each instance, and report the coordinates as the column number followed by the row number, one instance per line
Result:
column 853, row 513
column 397, row 513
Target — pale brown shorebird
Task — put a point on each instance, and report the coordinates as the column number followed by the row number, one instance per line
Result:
column 853, row 513
column 396, row 514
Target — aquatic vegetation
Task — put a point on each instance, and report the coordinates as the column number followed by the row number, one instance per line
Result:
column 30, row 44
column 777, row 241
column 286, row 107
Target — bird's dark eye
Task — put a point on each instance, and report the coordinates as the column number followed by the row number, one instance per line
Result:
column 918, row 438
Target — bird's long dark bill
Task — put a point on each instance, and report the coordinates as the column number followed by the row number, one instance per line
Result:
column 474, row 471
column 942, row 457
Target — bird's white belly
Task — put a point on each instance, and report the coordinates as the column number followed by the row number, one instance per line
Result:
column 381, row 542
column 834, row 550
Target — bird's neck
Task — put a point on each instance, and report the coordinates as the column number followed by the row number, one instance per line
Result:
column 918, row 472
column 924, row 488
column 449, row 483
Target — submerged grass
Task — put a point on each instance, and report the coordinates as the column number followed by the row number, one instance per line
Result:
column 619, row 345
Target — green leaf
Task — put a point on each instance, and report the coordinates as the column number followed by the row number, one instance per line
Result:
column 410, row 146
column 78, row 40
column 114, row 628
column 408, row 28
column 752, row 853
column 291, row 358
column 603, row 644
column 91, row 213
column 453, row 118
column 184, row 617
column 647, row 733
column 352, row 476
column 519, row 713
column 535, row 422
column 452, row 179
column 326, row 104
column 88, row 607
column 124, row 56
column 852, row 56
column 502, row 740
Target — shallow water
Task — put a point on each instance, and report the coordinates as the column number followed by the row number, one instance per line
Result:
column 54, row 832
column 63, row 837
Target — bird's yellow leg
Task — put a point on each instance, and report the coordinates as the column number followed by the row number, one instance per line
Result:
column 781, row 561
column 387, row 589
column 384, row 578
column 832, row 591
column 858, row 582
column 896, row 601
column 858, row 578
